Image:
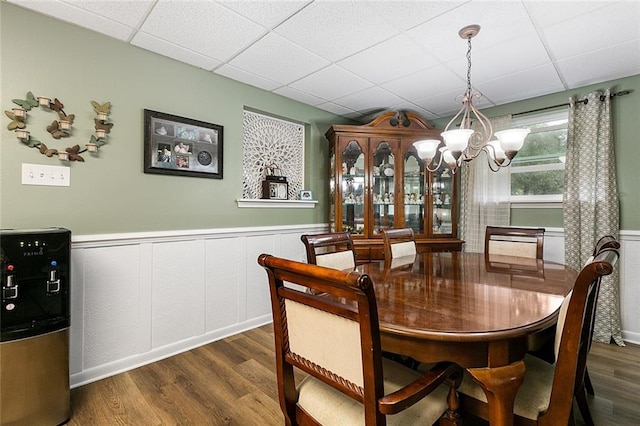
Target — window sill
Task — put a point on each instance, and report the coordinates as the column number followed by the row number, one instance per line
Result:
column 536, row 204
column 276, row 204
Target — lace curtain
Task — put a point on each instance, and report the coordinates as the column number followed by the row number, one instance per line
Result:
column 590, row 202
column 484, row 196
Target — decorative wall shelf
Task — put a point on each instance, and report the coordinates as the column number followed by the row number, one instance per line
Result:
column 276, row 204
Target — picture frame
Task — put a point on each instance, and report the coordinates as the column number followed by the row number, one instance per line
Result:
column 181, row 146
column 306, row 194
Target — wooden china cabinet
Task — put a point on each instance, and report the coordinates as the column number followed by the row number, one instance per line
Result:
column 377, row 181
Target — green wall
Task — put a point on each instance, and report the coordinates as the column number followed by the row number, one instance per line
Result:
column 626, row 128
column 110, row 193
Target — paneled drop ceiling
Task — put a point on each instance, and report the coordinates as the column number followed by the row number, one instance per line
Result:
column 357, row 58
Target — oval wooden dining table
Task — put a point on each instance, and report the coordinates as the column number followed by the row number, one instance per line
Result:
column 481, row 313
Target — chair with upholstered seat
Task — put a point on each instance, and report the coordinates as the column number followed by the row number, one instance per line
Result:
column 332, row 250
column 398, row 242
column 604, row 243
column 547, row 393
column 332, row 334
column 514, row 241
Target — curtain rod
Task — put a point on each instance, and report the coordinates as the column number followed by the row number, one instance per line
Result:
column 584, row 101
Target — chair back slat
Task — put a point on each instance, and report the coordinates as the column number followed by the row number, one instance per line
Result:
column 514, row 241
column 333, row 250
column 398, row 242
column 329, row 341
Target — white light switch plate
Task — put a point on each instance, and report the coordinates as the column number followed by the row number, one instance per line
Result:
column 39, row 174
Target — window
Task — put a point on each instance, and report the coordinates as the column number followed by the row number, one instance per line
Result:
column 537, row 172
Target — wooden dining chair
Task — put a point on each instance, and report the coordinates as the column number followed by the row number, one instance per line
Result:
column 332, row 334
column 332, row 250
column 398, row 242
column 514, row 241
column 547, row 393
column 604, row 243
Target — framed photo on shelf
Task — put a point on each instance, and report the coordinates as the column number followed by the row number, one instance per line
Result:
column 305, row 194
column 182, row 146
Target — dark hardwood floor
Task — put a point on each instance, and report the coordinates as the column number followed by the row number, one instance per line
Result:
column 232, row 382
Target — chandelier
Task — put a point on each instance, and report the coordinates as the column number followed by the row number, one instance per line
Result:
column 465, row 143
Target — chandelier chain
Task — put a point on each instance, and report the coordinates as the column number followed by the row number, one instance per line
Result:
column 469, row 65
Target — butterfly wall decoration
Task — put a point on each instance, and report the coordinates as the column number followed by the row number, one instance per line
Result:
column 56, row 131
column 28, row 103
column 102, row 125
column 60, row 129
column 16, row 122
column 97, row 141
column 46, row 151
column 56, row 105
column 64, row 117
column 101, row 108
column 73, row 153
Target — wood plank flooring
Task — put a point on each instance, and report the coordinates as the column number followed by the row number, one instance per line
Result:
column 232, row 382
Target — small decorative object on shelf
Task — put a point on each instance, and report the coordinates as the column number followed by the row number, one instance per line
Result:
column 274, row 186
column 58, row 129
column 305, row 194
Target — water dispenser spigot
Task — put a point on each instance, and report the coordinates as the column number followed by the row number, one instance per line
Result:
column 9, row 288
column 53, row 284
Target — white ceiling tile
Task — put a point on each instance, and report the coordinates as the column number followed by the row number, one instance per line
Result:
column 499, row 20
column 336, row 29
column 237, row 74
column 156, row 45
column 614, row 62
column 514, row 55
column 202, row 26
column 447, row 104
column 526, row 84
column 306, row 98
column 265, row 13
column 371, row 98
column 331, row 83
column 406, row 14
column 130, row 13
column 604, row 27
column 389, row 60
column 336, row 109
column 81, row 17
column 426, row 83
column 277, row 59
column 546, row 13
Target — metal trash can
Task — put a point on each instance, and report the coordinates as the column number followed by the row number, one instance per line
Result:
column 34, row 327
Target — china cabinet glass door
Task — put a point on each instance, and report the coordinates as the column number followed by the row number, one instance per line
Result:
column 353, row 188
column 442, row 199
column 383, row 187
column 414, row 192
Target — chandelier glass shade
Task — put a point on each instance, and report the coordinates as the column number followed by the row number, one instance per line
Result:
column 466, row 142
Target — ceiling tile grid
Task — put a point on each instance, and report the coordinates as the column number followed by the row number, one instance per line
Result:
column 355, row 58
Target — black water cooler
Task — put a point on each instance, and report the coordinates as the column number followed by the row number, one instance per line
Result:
column 34, row 342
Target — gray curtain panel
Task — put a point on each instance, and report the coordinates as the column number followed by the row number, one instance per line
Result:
column 590, row 202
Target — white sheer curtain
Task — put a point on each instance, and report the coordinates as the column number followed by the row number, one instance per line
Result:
column 590, row 203
column 484, row 196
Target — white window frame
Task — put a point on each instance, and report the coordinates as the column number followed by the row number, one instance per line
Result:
column 539, row 201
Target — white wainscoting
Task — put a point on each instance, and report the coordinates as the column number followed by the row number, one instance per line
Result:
column 138, row 298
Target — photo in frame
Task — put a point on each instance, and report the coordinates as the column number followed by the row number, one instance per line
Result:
column 182, row 146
